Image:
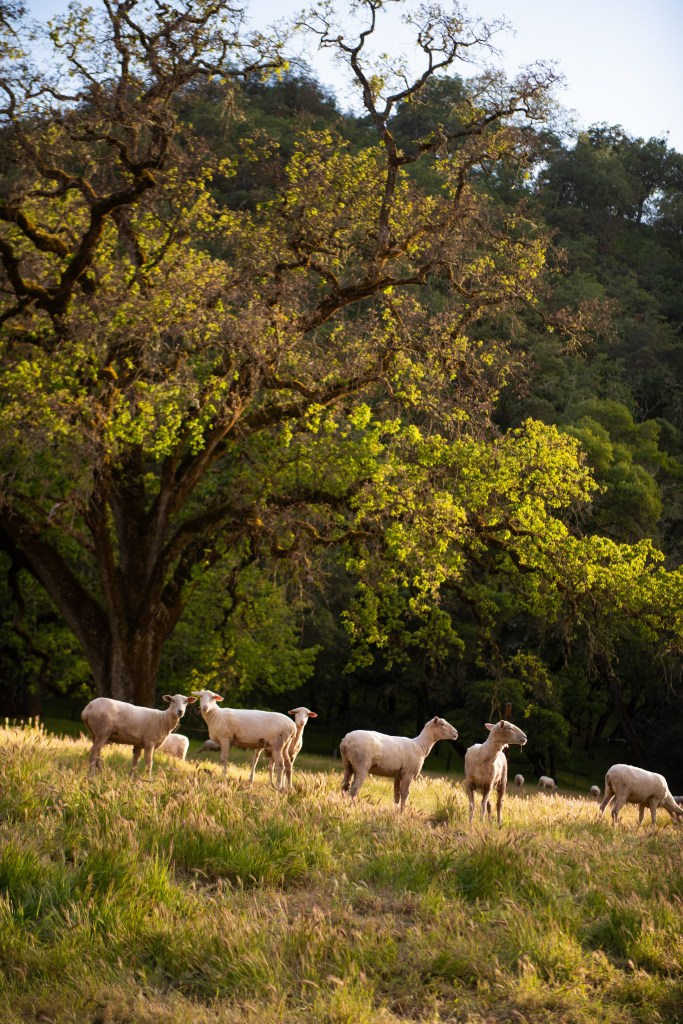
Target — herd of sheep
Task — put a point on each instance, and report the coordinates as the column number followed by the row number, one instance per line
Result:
column 363, row 751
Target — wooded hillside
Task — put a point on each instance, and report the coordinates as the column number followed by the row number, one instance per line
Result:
column 382, row 410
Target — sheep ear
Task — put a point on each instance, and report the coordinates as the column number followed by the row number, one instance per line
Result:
column 167, row 698
column 312, row 714
column 489, row 726
column 293, row 711
column 191, row 700
column 217, row 696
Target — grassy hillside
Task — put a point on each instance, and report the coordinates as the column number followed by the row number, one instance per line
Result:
column 193, row 899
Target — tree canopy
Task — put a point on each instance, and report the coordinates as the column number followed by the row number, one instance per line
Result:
column 240, row 365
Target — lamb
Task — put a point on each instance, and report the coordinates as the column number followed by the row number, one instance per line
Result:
column 176, row 745
column 251, row 730
column 115, row 721
column 595, row 792
column 300, row 715
column 545, row 782
column 486, row 766
column 400, row 758
column 519, row 781
column 625, row 784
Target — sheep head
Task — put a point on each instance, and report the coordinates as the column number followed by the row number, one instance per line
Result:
column 179, row 703
column 207, row 699
column 506, row 733
column 301, row 715
column 442, row 729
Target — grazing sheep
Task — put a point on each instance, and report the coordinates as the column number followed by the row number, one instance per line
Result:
column 115, row 721
column 176, row 745
column 251, row 730
column 400, row 758
column 595, row 792
column 625, row 784
column 545, row 782
column 519, row 781
column 486, row 766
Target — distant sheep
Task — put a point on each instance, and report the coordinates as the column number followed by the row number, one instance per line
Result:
column 519, row 781
column 400, row 758
column 625, row 784
column 545, row 782
column 251, row 730
column 176, row 745
column 486, row 766
column 145, row 729
column 595, row 792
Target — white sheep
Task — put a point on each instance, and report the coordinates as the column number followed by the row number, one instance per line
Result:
column 176, row 745
column 251, row 730
column 625, row 784
column 545, row 782
column 400, row 758
column 486, row 766
column 115, row 721
column 519, row 781
column 300, row 716
column 595, row 792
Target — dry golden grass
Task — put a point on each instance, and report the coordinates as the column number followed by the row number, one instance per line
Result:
column 190, row 898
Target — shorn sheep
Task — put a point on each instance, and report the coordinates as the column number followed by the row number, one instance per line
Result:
column 595, row 792
column 519, row 781
column 176, row 745
column 625, row 784
column 486, row 767
column 400, row 758
column 300, row 716
column 251, row 730
column 545, row 782
column 145, row 729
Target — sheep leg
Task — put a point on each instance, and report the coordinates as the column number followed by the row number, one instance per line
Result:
column 653, row 810
column 405, row 789
column 136, row 757
column 470, row 797
column 609, row 795
column 95, row 761
column 397, row 790
column 286, row 757
column 149, row 757
column 278, row 768
column 348, row 774
column 616, row 807
column 254, row 762
column 225, row 754
column 486, row 804
column 360, row 776
column 499, row 804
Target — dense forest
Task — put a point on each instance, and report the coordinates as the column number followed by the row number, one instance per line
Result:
column 380, row 412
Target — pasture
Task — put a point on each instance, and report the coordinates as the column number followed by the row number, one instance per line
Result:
column 188, row 899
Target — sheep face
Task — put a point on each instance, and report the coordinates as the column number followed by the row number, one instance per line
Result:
column 179, row 703
column 301, row 715
column 443, row 729
column 207, row 699
column 507, row 733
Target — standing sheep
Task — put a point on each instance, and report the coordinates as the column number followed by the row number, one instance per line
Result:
column 595, row 792
column 251, row 730
column 519, row 781
column 115, row 721
column 176, row 745
column 300, row 716
column 625, row 784
column 545, row 782
column 486, row 766
column 400, row 758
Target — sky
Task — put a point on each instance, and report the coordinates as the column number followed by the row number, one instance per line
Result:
column 621, row 58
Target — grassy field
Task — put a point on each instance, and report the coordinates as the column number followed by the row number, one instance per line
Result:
column 189, row 899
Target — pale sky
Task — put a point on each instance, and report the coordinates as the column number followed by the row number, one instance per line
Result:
column 621, row 58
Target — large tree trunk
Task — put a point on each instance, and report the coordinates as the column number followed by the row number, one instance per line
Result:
column 608, row 675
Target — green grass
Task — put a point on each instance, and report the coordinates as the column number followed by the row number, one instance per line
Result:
column 191, row 898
